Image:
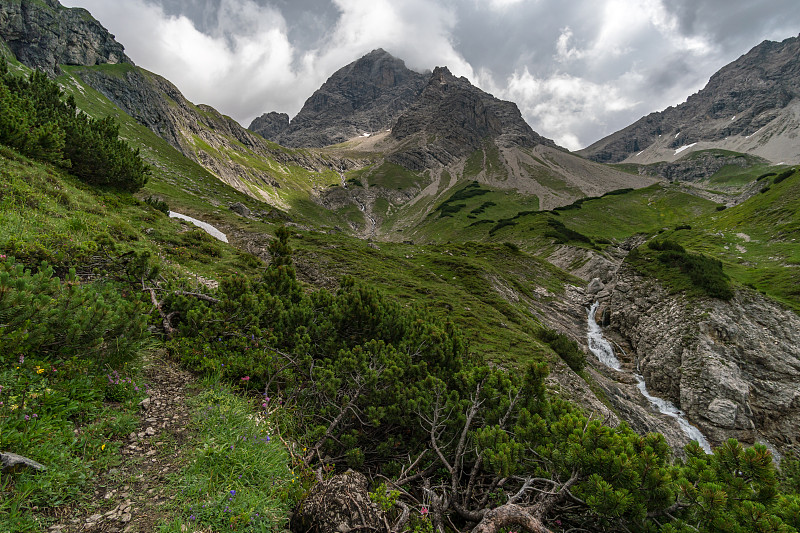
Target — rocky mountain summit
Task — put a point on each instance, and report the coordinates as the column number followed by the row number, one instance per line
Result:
column 43, row 35
column 452, row 118
column 751, row 105
column 270, row 125
column 363, row 97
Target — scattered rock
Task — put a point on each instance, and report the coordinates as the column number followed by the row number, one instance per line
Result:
column 595, row 286
column 14, row 463
column 240, row 209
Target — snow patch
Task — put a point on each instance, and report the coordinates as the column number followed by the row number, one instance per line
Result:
column 676, row 135
column 640, row 153
column 734, row 118
column 366, row 134
column 754, row 133
column 208, row 228
column 684, row 147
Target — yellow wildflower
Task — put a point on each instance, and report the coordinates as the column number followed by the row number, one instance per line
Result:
column 103, row 447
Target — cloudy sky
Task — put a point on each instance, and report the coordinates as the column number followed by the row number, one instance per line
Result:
column 578, row 69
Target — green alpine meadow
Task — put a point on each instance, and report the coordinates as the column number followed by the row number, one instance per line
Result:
column 401, row 310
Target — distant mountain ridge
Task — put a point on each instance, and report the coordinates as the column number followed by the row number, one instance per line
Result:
column 751, row 105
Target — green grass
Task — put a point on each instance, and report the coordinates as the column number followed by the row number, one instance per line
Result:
column 756, row 241
column 67, row 418
column 693, row 274
column 486, row 289
column 644, row 210
column 47, row 215
column 238, row 474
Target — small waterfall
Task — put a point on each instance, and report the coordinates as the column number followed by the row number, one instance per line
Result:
column 598, row 344
column 666, row 407
column 605, row 353
column 208, row 228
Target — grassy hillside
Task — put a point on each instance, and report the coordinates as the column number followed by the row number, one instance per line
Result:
column 757, row 241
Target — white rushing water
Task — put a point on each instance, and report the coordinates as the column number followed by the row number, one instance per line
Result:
column 605, row 352
column 598, row 344
column 208, row 228
column 666, row 407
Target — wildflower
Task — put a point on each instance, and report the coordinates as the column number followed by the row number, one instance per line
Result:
column 21, row 359
column 264, row 405
column 39, row 370
column 103, row 447
column 266, row 399
column 423, row 511
column 27, row 418
column 34, row 415
column 191, row 517
column 246, row 378
column 233, row 493
column 2, row 256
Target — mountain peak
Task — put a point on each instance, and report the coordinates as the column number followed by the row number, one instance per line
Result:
column 363, row 97
column 44, row 35
column 751, row 105
column 452, row 118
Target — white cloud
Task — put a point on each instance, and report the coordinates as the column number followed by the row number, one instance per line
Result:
column 562, row 106
column 501, row 5
column 578, row 70
column 246, row 65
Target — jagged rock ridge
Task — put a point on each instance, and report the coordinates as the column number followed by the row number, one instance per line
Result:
column 270, row 125
column 751, row 105
column 43, row 35
column 452, row 118
column 362, row 97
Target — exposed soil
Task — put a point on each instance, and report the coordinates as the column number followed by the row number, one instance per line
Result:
column 133, row 497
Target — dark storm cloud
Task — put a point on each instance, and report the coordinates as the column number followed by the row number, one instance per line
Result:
column 726, row 21
column 578, row 69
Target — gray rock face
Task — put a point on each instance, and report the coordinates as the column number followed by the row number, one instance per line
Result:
column 739, row 99
column 733, row 367
column 452, row 118
column 700, row 166
column 365, row 96
column 157, row 104
column 11, row 462
column 270, row 125
column 340, row 504
column 43, row 34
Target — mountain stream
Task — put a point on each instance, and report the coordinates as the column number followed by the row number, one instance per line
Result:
column 605, row 353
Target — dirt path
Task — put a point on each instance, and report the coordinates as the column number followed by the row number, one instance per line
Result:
column 134, row 494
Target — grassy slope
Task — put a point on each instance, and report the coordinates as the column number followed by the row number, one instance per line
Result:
column 757, row 241
column 48, row 215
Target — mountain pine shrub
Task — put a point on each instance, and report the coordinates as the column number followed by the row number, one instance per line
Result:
column 36, row 120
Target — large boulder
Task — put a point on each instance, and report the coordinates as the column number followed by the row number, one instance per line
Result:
column 11, row 462
column 339, row 505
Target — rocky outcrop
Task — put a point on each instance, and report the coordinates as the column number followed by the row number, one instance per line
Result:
column 202, row 133
column 701, row 165
column 739, row 100
column 43, row 34
column 452, row 118
column 365, row 96
column 732, row 366
column 341, row 503
column 11, row 462
column 270, row 125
